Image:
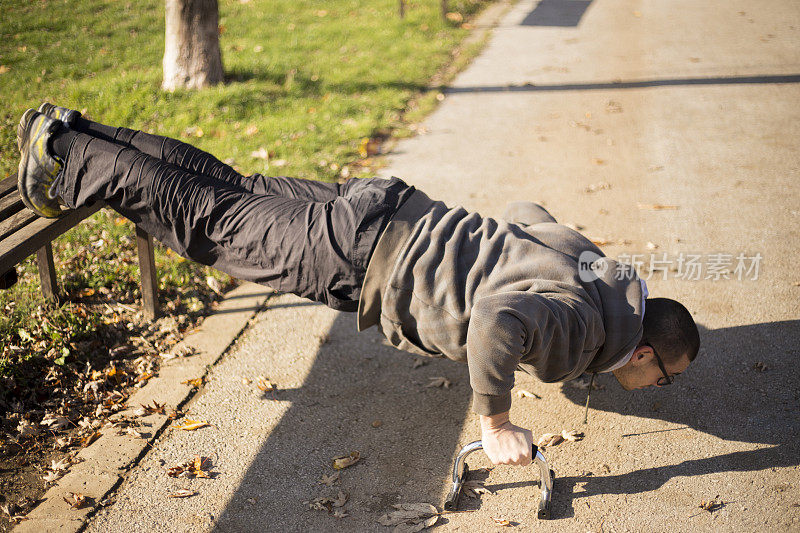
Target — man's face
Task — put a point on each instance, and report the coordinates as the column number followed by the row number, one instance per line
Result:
column 643, row 371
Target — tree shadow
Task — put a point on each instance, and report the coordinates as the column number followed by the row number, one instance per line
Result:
column 558, row 13
column 314, row 85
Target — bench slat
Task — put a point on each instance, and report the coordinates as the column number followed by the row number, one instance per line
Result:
column 15, row 222
column 17, row 246
column 10, row 204
column 8, row 184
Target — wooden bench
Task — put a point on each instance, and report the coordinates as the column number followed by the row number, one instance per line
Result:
column 23, row 233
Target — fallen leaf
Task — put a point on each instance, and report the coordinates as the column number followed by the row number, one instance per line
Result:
column 27, row 429
column 3, row 69
column 87, row 440
column 62, row 465
column 418, row 362
column 251, row 130
column 600, row 186
column 439, row 382
column 410, row 517
column 572, row 435
column 214, row 285
column 191, row 425
column 346, row 460
column 78, row 500
column 49, row 477
column 340, row 500
column 265, row 384
column 657, row 207
column 182, row 493
column 598, row 161
column 340, row 513
column 583, row 384
column 522, row 393
column 196, row 382
column 760, row 367
column 54, row 422
column 261, row 153
column 501, row 522
column 474, row 488
column 711, row 505
column 193, row 131
column 651, row 245
column 455, row 17
column 156, row 408
column 549, row 439
column 329, row 480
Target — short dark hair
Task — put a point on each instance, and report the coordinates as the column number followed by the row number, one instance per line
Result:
column 670, row 329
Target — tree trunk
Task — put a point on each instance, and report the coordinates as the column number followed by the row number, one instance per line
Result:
column 192, row 58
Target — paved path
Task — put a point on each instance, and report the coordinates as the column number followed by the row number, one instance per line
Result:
column 685, row 103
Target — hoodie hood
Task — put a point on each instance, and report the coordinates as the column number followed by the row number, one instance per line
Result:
column 621, row 308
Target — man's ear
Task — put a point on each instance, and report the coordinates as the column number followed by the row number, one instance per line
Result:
column 642, row 355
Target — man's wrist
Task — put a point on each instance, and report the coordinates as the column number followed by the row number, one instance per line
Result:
column 490, row 422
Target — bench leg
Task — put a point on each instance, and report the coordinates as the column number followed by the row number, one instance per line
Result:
column 147, row 269
column 47, row 272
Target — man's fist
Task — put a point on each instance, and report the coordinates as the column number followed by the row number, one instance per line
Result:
column 505, row 443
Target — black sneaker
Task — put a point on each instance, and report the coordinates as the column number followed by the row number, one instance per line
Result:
column 38, row 167
column 65, row 115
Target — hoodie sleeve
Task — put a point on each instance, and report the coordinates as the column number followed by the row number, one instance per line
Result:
column 546, row 331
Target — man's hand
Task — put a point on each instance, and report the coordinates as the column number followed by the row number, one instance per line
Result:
column 505, row 443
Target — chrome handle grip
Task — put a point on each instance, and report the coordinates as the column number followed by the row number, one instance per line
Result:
column 460, row 469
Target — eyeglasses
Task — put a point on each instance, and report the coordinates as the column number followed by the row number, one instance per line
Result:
column 666, row 379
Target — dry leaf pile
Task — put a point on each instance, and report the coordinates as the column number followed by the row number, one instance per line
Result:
column 16, row 511
column 410, row 517
column 79, row 362
column 334, row 505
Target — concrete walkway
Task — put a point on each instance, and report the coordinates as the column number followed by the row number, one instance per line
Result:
column 645, row 103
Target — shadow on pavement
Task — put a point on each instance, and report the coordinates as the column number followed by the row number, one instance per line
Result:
column 560, row 13
column 629, row 84
column 355, row 379
column 724, row 394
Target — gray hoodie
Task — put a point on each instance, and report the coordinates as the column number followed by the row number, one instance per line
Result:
column 499, row 296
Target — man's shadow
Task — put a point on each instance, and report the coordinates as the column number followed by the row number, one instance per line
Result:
column 743, row 387
column 359, row 395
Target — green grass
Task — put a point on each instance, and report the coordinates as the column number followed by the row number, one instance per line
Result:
column 307, row 81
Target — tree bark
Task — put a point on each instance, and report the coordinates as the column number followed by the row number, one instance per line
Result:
column 192, row 58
